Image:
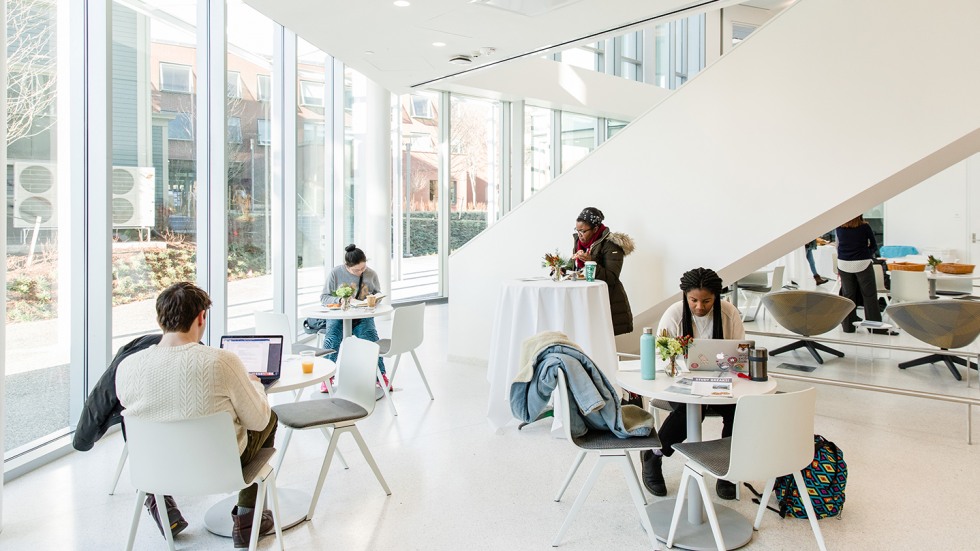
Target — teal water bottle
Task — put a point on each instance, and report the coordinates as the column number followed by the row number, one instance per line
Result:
column 648, row 359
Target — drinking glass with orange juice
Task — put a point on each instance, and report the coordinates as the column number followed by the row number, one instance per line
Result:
column 306, row 360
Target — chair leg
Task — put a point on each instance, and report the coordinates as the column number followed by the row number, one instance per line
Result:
column 323, row 472
column 709, row 508
column 165, row 520
column 813, row 351
column 571, row 473
column 593, row 476
column 340, row 456
column 788, row 347
column 119, row 468
column 639, row 501
column 678, row 506
column 253, row 538
column 369, row 458
column 810, row 514
column 285, row 446
column 952, row 368
column 394, row 369
column 140, row 496
column 763, row 502
column 384, row 390
column 274, row 505
column 425, row 381
column 827, row 349
column 924, row 360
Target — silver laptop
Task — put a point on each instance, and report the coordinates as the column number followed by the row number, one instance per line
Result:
column 719, row 355
column 261, row 354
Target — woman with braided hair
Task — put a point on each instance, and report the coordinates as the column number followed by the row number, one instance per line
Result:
column 703, row 315
column 594, row 241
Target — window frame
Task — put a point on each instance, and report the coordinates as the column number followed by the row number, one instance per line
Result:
column 190, row 77
column 304, row 98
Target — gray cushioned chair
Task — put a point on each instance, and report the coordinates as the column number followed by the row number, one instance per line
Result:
column 946, row 324
column 808, row 313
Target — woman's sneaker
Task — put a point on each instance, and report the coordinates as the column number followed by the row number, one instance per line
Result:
column 177, row 522
column 241, row 526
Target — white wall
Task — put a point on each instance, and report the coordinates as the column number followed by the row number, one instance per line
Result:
column 811, row 121
column 555, row 85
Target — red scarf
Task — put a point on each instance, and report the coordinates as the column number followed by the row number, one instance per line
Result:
column 586, row 245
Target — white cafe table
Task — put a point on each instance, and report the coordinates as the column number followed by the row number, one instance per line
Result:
column 348, row 316
column 293, row 504
column 692, row 530
column 934, row 276
column 526, row 307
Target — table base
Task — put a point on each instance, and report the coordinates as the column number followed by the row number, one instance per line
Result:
column 293, row 506
column 735, row 528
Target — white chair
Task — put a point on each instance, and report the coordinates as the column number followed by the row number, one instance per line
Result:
column 909, row 286
column 195, row 457
column 610, row 449
column 880, row 280
column 754, row 284
column 275, row 323
column 773, row 436
column 407, row 332
column 119, row 468
column 352, row 400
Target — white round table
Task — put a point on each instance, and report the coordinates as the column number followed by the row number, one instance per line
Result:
column 934, row 276
column 579, row 309
column 293, row 504
column 348, row 316
column 692, row 530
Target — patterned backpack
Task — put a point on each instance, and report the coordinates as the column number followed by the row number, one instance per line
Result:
column 825, row 480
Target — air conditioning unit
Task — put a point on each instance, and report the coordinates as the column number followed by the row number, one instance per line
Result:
column 132, row 197
column 35, row 185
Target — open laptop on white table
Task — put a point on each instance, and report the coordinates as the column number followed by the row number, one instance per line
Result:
column 718, row 355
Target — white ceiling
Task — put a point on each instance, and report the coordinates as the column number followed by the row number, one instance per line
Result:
column 394, row 45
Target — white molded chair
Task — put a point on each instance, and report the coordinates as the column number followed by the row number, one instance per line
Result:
column 909, row 286
column 753, row 283
column 773, row 436
column 407, row 332
column 195, row 457
column 880, row 280
column 610, row 449
column 275, row 323
column 352, row 400
column 119, row 468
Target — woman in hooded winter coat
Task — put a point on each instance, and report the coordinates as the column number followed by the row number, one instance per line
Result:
column 594, row 241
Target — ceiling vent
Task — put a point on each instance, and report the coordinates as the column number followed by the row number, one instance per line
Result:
column 461, row 59
column 530, row 8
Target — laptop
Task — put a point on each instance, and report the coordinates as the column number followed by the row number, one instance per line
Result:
column 261, row 354
column 719, row 355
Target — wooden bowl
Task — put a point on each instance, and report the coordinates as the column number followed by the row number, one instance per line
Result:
column 906, row 267
column 954, row 268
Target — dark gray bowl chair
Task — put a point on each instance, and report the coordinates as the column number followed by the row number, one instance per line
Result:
column 807, row 313
column 945, row 324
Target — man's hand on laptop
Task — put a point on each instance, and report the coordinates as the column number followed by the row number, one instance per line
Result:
column 252, row 377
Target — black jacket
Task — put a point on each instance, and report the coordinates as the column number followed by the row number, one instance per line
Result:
column 608, row 252
column 102, row 408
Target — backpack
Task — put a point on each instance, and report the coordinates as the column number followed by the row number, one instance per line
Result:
column 825, row 479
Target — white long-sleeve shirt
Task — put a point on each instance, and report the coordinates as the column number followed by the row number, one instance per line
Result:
column 172, row 383
column 731, row 321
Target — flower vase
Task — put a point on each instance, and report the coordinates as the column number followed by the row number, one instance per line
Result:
column 671, row 368
column 345, row 303
column 556, row 273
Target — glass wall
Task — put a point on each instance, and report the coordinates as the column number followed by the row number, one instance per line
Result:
column 249, row 165
column 38, row 377
column 578, row 138
column 537, row 149
column 475, row 152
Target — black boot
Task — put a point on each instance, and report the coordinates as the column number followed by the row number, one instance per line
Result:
column 653, row 475
column 725, row 489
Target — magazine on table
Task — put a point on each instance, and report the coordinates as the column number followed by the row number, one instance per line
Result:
column 681, row 386
column 712, row 386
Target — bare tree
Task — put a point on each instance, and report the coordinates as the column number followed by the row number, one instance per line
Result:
column 31, row 82
column 469, row 144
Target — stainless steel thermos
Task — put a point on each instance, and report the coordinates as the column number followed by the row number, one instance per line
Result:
column 759, row 364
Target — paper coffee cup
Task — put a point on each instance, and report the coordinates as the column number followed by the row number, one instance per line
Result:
column 372, row 301
column 590, row 270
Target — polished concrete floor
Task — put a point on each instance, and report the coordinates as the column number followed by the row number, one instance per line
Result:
column 913, row 480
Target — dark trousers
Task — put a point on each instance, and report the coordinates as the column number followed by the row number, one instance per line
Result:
column 860, row 287
column 674, row 429
column 257, row 439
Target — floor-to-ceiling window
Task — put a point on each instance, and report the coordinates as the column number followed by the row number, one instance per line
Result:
column 475, row 151
column 38, row 374
column 537, row 149
column 248, row 150
column 578, row 138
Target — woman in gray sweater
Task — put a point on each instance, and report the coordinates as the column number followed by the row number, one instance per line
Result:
column 353, row 272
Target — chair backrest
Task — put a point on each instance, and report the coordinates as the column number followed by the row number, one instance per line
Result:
column 407, row 328
column 357, row 363
column 879, row 278
column 190, row 457
column 562, row 412
column 758, row 279
column 807, row 313
column 941, row 323
column 777, row 278
column 773, row 435
column 274, row 323
column 909, row 286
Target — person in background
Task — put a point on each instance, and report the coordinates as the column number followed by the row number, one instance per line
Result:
column 594, row 241
column 354, row 272
column 810, row 247
column 703, row 315
column 179, row 378
column 856, row 248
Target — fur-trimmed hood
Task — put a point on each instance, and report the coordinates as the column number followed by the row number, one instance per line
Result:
column 624, row 241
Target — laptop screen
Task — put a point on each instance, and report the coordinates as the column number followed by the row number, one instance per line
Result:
column 261, row 354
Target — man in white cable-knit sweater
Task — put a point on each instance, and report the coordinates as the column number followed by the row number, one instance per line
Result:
column 183, row 379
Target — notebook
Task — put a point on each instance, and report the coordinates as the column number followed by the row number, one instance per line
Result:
column 261, row 354
column 719, row 355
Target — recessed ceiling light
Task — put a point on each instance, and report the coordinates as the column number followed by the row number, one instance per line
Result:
column 402, row 3
column 368, row 52
column 438, row 44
